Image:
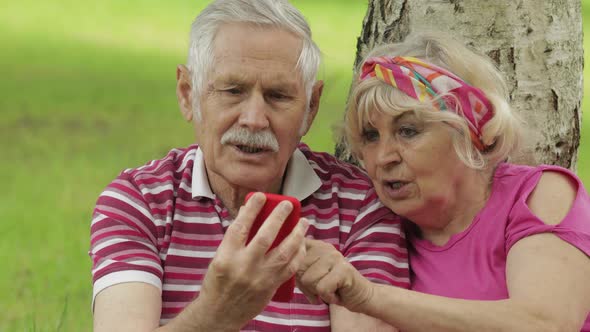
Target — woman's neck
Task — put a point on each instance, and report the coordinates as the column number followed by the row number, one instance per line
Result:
column 439, row 222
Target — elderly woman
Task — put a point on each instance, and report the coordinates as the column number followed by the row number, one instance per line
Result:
column 493, row 246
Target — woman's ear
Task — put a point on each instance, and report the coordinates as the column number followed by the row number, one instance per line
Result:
column 183, row 92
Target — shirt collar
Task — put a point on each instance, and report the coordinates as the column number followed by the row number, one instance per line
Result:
column 300, row 182
column 200, row 182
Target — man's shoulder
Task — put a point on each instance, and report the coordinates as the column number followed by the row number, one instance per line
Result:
column 158, row 181
column 160, row 177
column 327, row 166
column 174, row 166
column 351, row 186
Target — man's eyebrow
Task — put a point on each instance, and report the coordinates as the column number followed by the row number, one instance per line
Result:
column 282, row 83
column 283, row 86
column 231, row 78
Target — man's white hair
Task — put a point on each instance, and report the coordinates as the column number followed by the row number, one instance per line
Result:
column 276, row 13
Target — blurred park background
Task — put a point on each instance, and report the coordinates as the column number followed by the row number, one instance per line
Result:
column 87, row 89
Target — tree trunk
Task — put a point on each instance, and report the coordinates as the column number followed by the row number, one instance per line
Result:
column 536, row 44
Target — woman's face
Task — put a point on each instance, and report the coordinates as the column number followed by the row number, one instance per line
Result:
column 413, row 165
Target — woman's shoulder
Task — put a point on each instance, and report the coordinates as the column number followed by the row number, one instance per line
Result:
column 547, row 194
column 534, row 188
column 514, row 176
column 553, row 195
column 513, row 179
column 549, row 199
column 523, row 172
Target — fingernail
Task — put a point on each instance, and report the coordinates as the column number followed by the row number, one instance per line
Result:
column 305, row 223
column 286, row 206
column 259, row 197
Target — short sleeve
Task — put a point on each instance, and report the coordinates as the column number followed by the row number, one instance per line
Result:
column 376, row 245
column 574, row 228
column 123, row 245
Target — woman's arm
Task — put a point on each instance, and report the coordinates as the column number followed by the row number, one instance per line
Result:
column 319, row 257
column 343, row 320
column 547, row 281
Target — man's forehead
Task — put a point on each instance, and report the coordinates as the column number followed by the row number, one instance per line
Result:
column 267, row 59
column 226, row 75
column 233, row 72
column 233, row 33
column 245, row 53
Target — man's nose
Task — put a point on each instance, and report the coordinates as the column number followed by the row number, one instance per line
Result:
column 254, row 114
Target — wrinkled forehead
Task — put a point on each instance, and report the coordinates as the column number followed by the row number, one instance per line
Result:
column 245, row 51
column 225, row 76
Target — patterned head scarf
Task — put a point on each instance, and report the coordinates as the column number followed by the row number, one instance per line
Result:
column 424, row 81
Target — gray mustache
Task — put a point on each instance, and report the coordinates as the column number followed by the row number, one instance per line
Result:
column 242, row 136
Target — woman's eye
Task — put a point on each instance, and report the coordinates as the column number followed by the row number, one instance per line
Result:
column 233, row 91
column 369, row 135
column 407, row 131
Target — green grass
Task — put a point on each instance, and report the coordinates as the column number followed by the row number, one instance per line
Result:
column 83, row 89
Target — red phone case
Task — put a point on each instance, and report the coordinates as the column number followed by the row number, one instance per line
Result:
column 285, row 292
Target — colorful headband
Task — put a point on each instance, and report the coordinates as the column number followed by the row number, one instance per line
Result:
column 423, row 81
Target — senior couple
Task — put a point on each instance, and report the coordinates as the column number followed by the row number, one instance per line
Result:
column 493, row 246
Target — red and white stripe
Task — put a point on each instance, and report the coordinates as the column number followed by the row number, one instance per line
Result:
column 147, row 227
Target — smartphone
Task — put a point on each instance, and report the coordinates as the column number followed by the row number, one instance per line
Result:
column 285, row 292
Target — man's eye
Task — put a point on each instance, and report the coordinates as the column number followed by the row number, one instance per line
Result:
column 370, row 135
column 277, row 96
column 407, row 131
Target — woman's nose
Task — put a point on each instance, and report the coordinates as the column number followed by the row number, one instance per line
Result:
column 387, row 153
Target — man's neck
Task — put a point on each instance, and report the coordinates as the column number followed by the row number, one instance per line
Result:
column 233, row 196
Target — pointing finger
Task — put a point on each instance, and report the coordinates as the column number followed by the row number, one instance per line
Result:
column 237, row 233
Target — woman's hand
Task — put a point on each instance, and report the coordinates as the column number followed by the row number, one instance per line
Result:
column 326, row 274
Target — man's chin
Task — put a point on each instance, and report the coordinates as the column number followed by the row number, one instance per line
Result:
column 258, row 180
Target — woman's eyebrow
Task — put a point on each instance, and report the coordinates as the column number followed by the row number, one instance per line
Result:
column 400, row 117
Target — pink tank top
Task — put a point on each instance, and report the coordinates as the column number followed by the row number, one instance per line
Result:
column 472, row 264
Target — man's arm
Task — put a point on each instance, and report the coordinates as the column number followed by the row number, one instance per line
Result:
column 239, row 283
column 136, row 307
column 132, row 306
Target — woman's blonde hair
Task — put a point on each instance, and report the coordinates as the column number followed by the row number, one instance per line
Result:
column 502, row 135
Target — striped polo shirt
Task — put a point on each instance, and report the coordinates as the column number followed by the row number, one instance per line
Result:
column 161, row 224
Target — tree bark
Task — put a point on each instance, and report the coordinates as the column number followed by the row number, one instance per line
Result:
column 536, row 44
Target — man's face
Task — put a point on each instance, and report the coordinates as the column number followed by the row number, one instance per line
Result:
column 254, row 88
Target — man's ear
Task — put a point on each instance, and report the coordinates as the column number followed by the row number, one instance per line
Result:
column 183, row 92
column 314, row 103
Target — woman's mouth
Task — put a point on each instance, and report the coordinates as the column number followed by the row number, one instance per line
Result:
column 395, row 185
column 397, row 189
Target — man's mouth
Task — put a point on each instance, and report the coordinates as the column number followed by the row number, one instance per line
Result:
column 251, row 149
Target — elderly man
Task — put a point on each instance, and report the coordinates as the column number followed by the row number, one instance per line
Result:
column 168, row 239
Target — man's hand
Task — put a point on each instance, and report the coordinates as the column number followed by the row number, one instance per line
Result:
column 242, row 278
column 327, row 274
